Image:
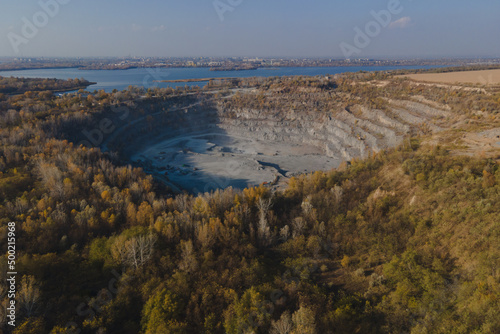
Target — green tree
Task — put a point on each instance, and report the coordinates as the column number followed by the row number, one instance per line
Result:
column 161, row 314
column 247, row 313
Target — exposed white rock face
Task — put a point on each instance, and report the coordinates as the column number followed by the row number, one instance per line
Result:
column 193, row 147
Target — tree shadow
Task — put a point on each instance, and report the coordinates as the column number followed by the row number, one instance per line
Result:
column 182, row 147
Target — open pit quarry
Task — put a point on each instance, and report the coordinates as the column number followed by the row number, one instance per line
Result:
column 201, row 147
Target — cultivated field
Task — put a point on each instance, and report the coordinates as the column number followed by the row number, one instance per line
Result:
column 486, row 77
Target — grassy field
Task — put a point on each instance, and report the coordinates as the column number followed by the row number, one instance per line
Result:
column 486, row 77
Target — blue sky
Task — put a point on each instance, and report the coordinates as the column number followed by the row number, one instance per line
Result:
column 279, row 28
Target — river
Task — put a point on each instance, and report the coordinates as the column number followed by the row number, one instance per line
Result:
column 147, row 77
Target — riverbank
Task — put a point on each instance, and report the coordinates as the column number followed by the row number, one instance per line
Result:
column 194, row 80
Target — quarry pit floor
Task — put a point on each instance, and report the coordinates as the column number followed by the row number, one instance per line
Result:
column 201, row 162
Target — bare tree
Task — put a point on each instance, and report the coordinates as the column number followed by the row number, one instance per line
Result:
column 283, row 325
column 337, row 192
column 28, row 295
column 52, row 178
column 263, row 229
column 307, row 206
column 284, row 233
column 83, row 217
column 59, row 215
column 303, row 321
column 119, row 249
column 22, row 205
column 298, row 226
column 188, row 262
column 183, row 202
column 139, row 250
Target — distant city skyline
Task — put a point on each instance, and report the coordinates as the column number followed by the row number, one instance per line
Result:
column 250, row 28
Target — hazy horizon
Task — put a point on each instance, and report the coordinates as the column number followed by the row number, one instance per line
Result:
column 243, row 28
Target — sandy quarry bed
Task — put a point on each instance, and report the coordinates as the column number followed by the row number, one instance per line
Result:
column 201, row 162
column 487, row 77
